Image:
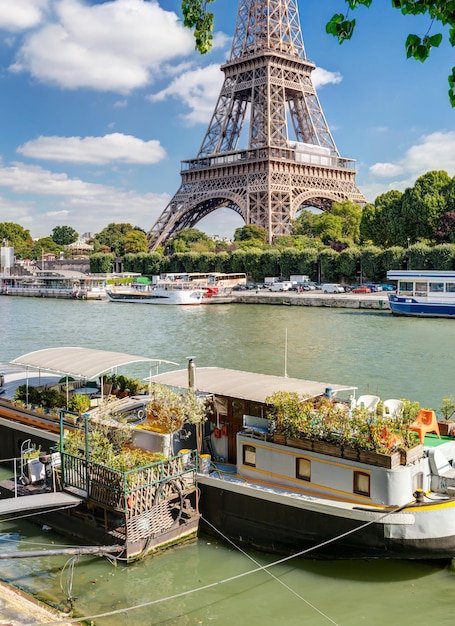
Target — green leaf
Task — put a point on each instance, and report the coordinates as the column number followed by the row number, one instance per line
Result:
column 435, row 40
column 452, row 36
column 452, row 87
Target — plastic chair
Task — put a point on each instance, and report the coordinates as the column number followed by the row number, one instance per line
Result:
column 368, row 402
column 426, row 422
column 392, row 408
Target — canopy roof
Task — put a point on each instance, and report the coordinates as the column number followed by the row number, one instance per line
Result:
column 81, row 362
column 245, row 385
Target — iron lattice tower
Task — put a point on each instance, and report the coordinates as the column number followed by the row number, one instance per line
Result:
column 267, row 84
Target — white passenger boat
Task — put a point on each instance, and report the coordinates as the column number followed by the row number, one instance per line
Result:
column 423, row 293
column 163, row 292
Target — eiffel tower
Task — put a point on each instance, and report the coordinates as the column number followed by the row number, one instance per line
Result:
column 267, row 86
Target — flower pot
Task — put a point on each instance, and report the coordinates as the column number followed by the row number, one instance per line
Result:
column 279, row 438
column 411, row 455
column 298, row 442
column 351, row 453
column 327, row 447
column 389, row 461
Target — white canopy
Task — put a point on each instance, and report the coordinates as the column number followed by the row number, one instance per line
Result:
column 80, row 362
column 245, row 385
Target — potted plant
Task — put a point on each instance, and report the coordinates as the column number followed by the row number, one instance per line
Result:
column 79, row 404
column 447, row 410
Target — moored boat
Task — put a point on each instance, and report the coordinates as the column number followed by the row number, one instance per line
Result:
column 163, row 292
column 314, row 497
column 423, row 293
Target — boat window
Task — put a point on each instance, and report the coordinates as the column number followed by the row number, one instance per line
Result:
column 303, row 469
column 238, row 410
column 362, row 483
column 436, row 287
column 249, row 456
column 406, row 288
column 450, row 287
column 255, row 409
column 421, row 289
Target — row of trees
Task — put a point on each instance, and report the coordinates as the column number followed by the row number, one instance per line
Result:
column 351, row 265
column 424, row 213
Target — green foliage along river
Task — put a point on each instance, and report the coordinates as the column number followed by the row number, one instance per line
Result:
column 395, row 358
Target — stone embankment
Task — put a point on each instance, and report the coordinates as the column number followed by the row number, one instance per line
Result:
column 377, row 301
column 18, row 609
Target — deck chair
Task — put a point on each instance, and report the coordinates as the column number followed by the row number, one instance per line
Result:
column 426, row 422
column 392, row 408
column 368, row 402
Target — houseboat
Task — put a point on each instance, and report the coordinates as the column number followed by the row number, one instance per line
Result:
column 141, row 501
column 316, row 498
column 423, row 293
column 66, row 284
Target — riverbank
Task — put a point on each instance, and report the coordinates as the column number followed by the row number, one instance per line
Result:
column 377, row 301
column 18, row 608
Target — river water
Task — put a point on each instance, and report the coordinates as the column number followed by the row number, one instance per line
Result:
column 208, row 581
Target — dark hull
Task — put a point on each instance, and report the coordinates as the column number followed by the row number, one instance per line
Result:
column 276, row 528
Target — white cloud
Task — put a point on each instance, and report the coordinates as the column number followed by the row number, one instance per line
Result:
column 433, row 152
column 386, row 170
column 18, row 15
column 115, row 147
column 197, row 89
column 323, row 77
column 72, row 201
column 117, row 45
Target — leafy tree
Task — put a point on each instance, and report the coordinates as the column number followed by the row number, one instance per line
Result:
column 43, row 246
column 328, row 227
column 251, row 235
column 350, row 214
column 197, row 16
column 17, row 237
column 189, row 239
column 101, row 263
column 135, row 241
column 64, row 235
column 381, row 222
column 446, row 228
column 304, row 223
column 112, row 236
column 423, row 205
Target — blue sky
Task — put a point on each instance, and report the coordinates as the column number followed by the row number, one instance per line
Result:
column 101, row 100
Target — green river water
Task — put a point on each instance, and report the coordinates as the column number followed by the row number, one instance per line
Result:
column 388, row 356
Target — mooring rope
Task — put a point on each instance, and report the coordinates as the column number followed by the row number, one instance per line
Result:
column 261, row 568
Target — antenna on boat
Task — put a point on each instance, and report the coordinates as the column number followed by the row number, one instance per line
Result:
column 286, row 354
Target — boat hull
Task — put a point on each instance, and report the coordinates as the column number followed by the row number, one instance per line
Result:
column 273, row 525
column 405, row 305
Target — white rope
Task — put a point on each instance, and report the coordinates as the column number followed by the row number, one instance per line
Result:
column 225, row 580
column 278, row 580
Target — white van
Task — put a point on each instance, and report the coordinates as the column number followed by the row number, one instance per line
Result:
column 285, row 285
column 332, row 288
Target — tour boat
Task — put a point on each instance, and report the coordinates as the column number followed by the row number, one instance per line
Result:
column 423, row 293
column 163, row 292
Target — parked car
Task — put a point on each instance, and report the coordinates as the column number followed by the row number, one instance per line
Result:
column 239, row 288
column 361, row 289
column 373, row 287
column 332, row 288
column 387, row 287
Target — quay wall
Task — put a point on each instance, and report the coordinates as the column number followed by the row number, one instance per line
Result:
column 376, row 301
